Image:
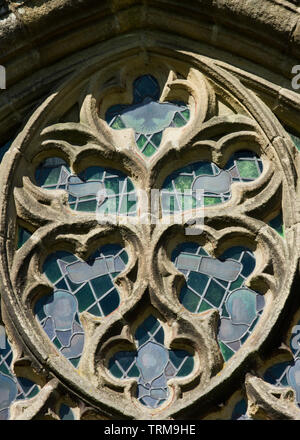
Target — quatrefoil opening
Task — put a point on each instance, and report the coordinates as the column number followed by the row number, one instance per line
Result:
column 95, row 189
column 204, row 183
column 78, row 286
column 152, row 364
column 147, row 116
column 213, row 283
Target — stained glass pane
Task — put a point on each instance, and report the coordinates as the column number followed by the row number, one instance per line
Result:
column 277, row 224
column 288, row 373
column 23, row 236
column 96, row 189
column 204, row 183
column 12, row 388
column 152, row 364
column 220, row 283
column 147, row 116
column 78, row 286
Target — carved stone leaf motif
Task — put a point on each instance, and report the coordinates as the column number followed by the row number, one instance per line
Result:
column 224, row 119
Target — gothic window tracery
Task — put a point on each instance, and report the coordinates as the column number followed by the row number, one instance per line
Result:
column 138, row 315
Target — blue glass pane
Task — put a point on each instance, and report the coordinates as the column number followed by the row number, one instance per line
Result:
column 78, row 286
column 152, row 364
column 146, row 115
column 220, row 283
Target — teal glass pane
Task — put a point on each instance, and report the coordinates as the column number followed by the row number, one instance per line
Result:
column 146, row 115
column 78, row 286
column 23, row 236
column 294, row 136
column 12, row 388
column 240, row 411
column 220, row 284
column 95, row 189
column 4, row 149
column 153, row 365
column 277, row 224
column 65, row 413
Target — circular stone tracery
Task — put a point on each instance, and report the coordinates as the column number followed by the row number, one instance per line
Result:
column 209, row 136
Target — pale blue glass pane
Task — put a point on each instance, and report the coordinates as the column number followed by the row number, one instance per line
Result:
column 220, row 283
column 218, row 184
column 78, row 286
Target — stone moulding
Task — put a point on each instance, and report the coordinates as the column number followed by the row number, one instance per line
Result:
column 225, row 116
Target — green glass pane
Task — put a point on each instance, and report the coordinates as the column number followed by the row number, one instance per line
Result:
column 248, row 169
column 189, row 299
column 113, row 185
column 296, row 140
column 110, row 303
column 92, row 173
column 237, row 283
column 156, row 138
column 178, row 120
column 183, row 183
column 142, row 140
column 151, row 324
column 149, row 150
column 85, row 297
column 277, row 224
column 212, row 200
column 186, row 114
column 50, row 176
column 226, row 351
column 134, row 372
column 224, row 313
column 87, row 206
column 23, row 236
column 95, row 310
column 118, row 124
column 52, row 271
column 4, row 370
column 124, row 256
column 57, row 343
column 204, row 306
column 101, row 285
column 130, row 187
column 187, row 367
column 115, row 370
column 248, row 263
column 75, row 362
column 34, row 392
column 214, row 293
column 203, row 168
column 177, row 357
column 197, row 281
